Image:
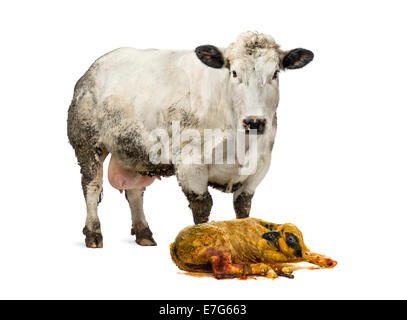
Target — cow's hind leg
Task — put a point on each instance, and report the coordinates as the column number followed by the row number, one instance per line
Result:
column 140, row 228
column 90, row 158
column 92, row 178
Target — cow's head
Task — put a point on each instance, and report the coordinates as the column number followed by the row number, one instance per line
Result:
column 254, row 62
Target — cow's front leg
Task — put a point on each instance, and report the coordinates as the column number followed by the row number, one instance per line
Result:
column 201, row 205
column 242, row 203
column 140, row 228
column 242, row 198
column 194, row 182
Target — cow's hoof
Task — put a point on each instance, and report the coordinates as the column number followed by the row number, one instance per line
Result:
column 146, row 242
column 93, row 239
column 144, row 237
column 200, row 221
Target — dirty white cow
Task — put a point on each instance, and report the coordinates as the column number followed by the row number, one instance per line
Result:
column 128, row 93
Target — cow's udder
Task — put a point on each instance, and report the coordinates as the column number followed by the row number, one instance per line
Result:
column 123, row 179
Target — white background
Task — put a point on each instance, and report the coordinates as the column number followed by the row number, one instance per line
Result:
column 338, row 170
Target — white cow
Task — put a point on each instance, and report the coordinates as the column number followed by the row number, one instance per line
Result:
column 128, row 94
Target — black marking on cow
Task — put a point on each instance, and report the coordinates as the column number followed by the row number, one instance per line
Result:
column 210, row 56
column 297, row 58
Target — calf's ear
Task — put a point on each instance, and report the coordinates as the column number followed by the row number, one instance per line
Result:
column 272, row 236
column 211, row 56
column 297, row 58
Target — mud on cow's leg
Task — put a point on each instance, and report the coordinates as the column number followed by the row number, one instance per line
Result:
column 140, row 228
column 84, row 138
column 201, row 205
column 242, row 203
column 92, row 178
column 193, row 180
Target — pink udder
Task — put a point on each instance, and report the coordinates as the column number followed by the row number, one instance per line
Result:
column 123, row 179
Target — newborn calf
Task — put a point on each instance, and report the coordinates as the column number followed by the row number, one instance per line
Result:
column 243, row 247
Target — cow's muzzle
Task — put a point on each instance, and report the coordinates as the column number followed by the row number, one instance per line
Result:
column 254, row 123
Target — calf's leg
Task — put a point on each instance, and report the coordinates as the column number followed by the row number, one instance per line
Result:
column 223, row 267
column 140, row 228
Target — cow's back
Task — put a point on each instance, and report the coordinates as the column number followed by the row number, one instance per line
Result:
column 143, row 78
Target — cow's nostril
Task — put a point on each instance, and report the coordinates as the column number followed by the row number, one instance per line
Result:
column 261, row 122
column 254, row 124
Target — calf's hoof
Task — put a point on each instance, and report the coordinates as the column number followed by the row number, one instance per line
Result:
column 144, row 236
column 93, row 239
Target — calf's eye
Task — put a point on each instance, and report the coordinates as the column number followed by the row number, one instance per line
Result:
column 234, row 74
column 291, row 240
column 275, row 75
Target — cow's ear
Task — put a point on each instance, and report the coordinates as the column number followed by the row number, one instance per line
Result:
column 211, row 56
column 297, row 58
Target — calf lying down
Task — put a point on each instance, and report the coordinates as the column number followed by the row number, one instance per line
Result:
column 244, row 247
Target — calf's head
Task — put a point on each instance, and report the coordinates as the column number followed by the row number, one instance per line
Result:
column 287, row 239
column 253, row 63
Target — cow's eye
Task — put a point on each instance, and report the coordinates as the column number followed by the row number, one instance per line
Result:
column 275, row 74
column 234, row 74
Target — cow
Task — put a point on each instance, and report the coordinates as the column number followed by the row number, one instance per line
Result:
column 129, row 93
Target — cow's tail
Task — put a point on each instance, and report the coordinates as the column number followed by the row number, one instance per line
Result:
column 184, row 266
